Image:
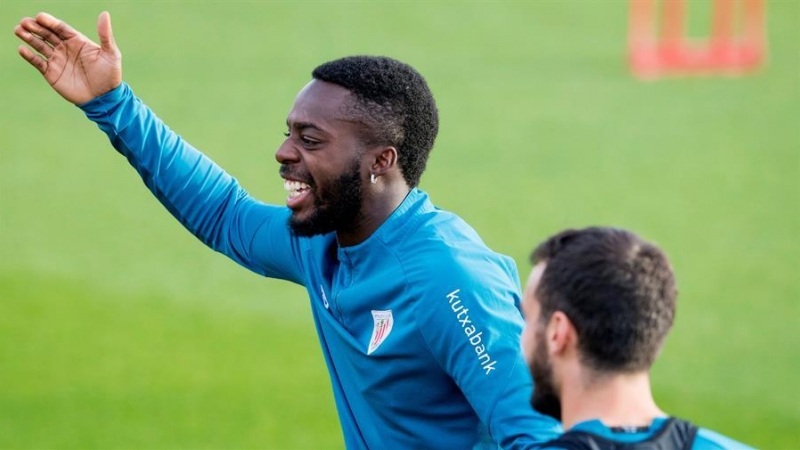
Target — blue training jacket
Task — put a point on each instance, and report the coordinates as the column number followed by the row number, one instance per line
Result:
column 419, row 324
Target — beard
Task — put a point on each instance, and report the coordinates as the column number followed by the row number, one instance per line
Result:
column 545, row 398
column 337, row 207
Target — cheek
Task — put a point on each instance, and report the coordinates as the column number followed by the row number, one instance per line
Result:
column 528, row 343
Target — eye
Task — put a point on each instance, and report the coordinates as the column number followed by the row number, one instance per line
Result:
column 308, row 142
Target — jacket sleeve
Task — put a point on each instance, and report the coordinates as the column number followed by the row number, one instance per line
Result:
column 205, row 199
column 472, row 324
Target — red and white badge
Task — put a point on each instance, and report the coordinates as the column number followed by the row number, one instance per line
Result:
column 383, row 326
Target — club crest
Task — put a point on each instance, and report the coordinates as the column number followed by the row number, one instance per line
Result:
column 383, row 326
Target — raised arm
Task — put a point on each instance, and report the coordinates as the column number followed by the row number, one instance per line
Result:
column 204, row 198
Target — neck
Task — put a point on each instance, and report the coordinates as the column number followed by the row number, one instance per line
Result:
column 379, row 203
column 614, row 399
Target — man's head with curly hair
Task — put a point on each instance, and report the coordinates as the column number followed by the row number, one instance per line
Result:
column 394, row 105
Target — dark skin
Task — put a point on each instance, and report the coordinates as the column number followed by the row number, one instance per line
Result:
column 74, row 66
column 323, row 142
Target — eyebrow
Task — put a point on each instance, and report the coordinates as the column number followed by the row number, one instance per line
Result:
column 305, row 125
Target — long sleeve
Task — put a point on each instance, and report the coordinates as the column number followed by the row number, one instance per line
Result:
column 205, row 199
column 472, row 326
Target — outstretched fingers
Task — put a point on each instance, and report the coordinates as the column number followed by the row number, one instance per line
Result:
column 32, row 26
column 34, row 41
column 35, row 60
column 58, row 27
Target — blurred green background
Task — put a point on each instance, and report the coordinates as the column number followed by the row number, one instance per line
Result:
column 119, row 330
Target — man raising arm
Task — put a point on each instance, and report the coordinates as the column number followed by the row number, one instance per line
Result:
column 418, row 320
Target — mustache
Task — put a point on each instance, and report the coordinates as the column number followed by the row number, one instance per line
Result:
column 287, row 171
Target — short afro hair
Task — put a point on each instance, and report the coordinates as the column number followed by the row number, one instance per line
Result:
column 394, row 103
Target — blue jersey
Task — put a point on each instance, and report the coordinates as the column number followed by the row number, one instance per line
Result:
column 703, row 440
column 419, row 324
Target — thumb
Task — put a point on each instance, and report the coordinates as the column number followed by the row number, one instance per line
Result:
column 107, row 42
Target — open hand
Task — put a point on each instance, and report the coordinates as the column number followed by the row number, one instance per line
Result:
column 75, row 66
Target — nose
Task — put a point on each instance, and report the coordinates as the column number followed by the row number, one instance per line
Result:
column 286, row 153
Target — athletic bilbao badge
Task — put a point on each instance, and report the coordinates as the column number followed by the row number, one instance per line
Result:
column 383, row 326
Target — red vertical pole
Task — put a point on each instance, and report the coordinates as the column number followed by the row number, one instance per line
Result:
column 722, row 21
column 753, row 33
column 642, row 31
column 642, row 51
column 754, row 20
column 672, row 32
column 672, row 22
column 722, row 47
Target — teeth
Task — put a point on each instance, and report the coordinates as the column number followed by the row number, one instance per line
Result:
column 294, row 188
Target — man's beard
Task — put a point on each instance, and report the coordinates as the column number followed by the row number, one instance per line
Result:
column 545, row 398
column 341, row 208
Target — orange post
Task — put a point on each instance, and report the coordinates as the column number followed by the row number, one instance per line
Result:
column 754, row 31
column 673, row 23
column 669, row 52
column 722, row 22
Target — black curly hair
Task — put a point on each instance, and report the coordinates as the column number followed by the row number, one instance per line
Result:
column 394, row 103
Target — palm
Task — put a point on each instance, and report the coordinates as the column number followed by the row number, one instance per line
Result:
column 80, row 71
column 75, row 66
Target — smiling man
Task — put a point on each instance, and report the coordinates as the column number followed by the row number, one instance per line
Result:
column 418, row 320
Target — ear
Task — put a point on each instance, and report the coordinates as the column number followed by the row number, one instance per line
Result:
column 385, row 160
column 560, row 334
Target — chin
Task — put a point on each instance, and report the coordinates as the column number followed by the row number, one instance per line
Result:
column 310, row 226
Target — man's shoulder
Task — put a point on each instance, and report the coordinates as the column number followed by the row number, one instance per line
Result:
column 594, row 434
column 437, row 249
column 435, row 223
column 444, row 241
column 432, row 252
column 711, row 440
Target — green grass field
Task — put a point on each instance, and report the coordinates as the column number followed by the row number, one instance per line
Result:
column 119, row 330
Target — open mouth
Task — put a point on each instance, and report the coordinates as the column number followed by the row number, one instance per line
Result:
column 297, row 193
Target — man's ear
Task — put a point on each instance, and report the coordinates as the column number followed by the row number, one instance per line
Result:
column 385, row 160
column 560, row 334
